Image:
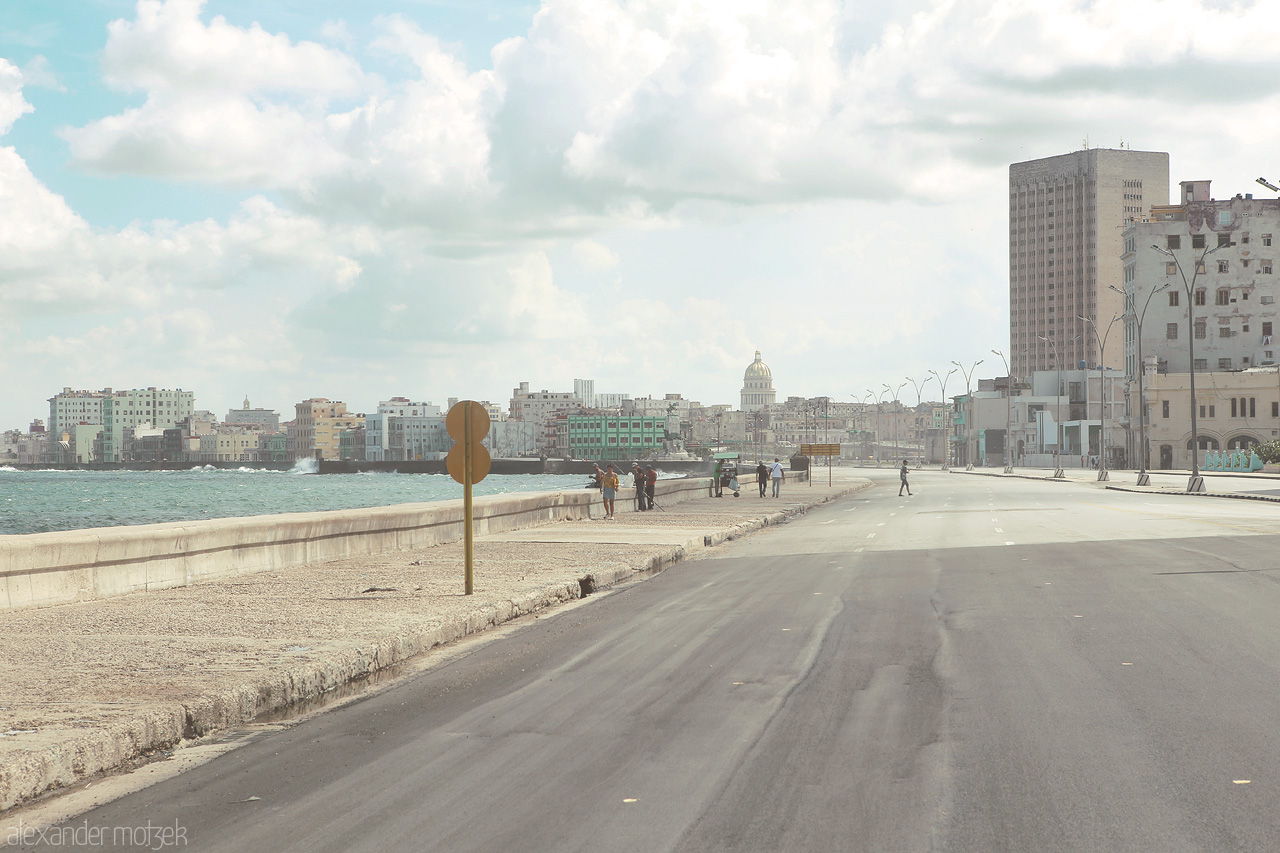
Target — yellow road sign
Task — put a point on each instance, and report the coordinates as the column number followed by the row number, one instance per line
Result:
column 467, row 414
column 456, row 462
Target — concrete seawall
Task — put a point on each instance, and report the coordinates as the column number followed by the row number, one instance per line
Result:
column 45, row 569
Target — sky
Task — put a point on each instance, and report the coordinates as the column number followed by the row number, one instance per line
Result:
column 444, row 198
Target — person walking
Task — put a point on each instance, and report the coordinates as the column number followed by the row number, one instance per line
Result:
column 762, row 476
column 777, row 475
column 637, row 480
column 902, row 473
column 610, row 489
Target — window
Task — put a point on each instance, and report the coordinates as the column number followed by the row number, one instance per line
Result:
column 1171, row 331
column 1275, row 410
column 1223, row 297
column 1197, row 241
column 1266, row 267
column 1224, row 364
column 1224, row 239
column 1233, row 406
column 1170, row 268
column 1200, row 299
column 1199, row 267
column 1164, row 408
column 1253, row 407
column 1223, row 266
column 1173, row 297
column 1201, row 364
column 1175, row 241
column 1224, row 331
column 1266, row 328
column 1200, row 330
column 1266, row 239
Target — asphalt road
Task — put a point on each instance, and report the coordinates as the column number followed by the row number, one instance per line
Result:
column 985, row 666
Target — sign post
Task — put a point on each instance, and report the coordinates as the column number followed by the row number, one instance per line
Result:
column 827, row 450
column 468, row 462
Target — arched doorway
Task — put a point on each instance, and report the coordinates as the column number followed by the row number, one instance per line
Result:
column 1243, row 442
column 1207, row 442
column 1166, row 456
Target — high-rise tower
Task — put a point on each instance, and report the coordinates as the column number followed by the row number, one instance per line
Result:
column 1067, row 215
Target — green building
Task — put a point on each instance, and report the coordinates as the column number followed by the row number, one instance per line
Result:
column 610, row 436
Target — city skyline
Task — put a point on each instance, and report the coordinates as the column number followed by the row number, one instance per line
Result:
column 436, row 200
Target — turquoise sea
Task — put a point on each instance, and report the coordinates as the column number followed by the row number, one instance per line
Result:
column 41, row 501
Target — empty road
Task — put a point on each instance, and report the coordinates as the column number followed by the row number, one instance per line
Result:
column 989, row 665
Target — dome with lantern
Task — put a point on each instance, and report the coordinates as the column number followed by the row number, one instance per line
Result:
column 757, row 386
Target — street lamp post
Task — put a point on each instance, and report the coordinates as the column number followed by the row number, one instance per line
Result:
column 919, row 386
column 1195, row 483
column 1008, row 413
column 942, row 382
column 879, row 399
column 1144, row 479
column 1057, row 447
column 968, row 418
column 1102, row 390
column 897, row 444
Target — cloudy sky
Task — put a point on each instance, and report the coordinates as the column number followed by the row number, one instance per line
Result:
column 436, row 198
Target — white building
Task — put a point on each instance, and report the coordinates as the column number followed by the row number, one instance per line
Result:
column 757, row 386
column 1226, row 251
column 114, row 411
column 541, row 408
column 268, row 420
column 404, row 430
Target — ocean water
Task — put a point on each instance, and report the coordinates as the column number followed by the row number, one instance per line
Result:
column 41, row 501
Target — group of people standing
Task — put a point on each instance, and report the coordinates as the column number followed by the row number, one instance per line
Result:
column 766, row 474
column 607, row 482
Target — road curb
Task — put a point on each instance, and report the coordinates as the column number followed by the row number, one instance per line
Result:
column 1118, row 488
column 161, row 727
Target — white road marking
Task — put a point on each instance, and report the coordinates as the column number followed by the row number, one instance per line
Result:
column 856, row 550
column 832, row 521
column 881, row 524
column 871, row 536
column 1010, row 543
column 998, row 530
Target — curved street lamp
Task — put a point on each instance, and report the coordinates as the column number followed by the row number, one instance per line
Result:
column 1102, row 390
column 878, row 397
column 1008, row 413
column 1196, row 482
column 896, row 391
column 1131, row 311
column 968, row 398
column 919, row 386
column 1057, row 447
column 942, row 381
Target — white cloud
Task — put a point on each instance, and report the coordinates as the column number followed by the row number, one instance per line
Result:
column 12, row 105
column 167, row 47
column 38, row 72
column 593, row 256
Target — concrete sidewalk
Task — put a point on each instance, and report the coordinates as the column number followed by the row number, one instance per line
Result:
column 97, row 685
column 1240, row 486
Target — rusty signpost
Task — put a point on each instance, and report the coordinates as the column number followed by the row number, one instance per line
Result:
column 827, row 450
column 468, row 462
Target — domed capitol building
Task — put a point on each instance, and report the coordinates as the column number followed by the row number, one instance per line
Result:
column 757, row 386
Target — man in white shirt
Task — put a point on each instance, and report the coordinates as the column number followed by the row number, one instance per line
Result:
column 777, row 475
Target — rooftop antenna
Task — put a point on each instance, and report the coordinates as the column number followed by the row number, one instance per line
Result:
column 1269, row 185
